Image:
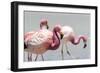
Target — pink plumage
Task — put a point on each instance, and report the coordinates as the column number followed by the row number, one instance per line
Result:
column 40, row 41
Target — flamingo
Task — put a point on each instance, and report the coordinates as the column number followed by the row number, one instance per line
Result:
column 68, row 35
column 27, row 36
column 40, row 41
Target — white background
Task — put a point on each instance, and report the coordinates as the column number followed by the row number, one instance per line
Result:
column 5, row 35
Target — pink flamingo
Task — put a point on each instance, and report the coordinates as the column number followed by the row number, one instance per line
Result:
column 68, row 35
column 28, row 35
column 41, row 41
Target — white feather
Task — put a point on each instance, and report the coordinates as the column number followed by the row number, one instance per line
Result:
column 67, row 31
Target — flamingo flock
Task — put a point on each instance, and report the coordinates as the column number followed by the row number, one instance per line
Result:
column 38, row 42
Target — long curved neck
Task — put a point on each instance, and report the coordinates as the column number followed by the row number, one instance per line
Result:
column 56, row 41
column 76, row 40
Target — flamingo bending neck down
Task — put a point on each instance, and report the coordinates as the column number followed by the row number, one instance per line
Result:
column 55, row 38
column 76, row 40
column 68, row 35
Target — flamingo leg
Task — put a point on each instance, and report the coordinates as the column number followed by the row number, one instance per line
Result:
column 29, row 56
column 42, row 57
column 67, row 51
column 24, row 56
column 36, row 57
column 62, row 54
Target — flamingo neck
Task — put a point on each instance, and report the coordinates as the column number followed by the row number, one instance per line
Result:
column 76, row 40
column 56, row 41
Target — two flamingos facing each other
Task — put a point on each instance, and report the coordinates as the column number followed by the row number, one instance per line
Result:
column 68, row 35
column 39, row 42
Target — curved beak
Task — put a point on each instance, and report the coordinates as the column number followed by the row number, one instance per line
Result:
column 61, row 35
column 85, row 45
column 47, row 27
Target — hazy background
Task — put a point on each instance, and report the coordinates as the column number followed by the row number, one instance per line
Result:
column 79, row 22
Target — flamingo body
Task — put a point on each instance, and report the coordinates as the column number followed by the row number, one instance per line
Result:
column 39, row 41
column 69, row 36
column 29, row 42
column 67, row 32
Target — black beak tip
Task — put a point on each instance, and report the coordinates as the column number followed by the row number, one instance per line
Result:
column 85, row 45
column 61, row 36
column 47, row 27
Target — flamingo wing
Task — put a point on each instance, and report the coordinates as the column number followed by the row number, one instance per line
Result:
column 67, row 32
column 28, row 36
column 39, row 38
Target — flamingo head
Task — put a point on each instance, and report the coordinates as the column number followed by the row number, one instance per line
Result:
column 44, row 22
column 85, row 38
column 58, row 28
column 66, row 32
